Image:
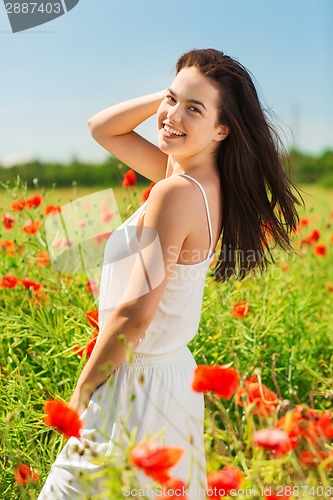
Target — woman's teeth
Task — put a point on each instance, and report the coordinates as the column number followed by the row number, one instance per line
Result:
column 172, row 131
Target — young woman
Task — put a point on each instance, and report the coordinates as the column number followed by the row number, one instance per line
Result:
column 218, row 173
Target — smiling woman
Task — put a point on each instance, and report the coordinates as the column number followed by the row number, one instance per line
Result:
column 217, row 171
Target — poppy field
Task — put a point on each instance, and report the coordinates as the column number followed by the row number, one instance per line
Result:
column 264, row 351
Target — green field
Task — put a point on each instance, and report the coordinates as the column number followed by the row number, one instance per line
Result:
column 286, row 338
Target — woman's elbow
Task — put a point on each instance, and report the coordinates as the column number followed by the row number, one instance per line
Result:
column 137, row 318
column 93, row 126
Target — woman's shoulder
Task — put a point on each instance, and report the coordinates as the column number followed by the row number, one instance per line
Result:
column 172, row 197
column 172, row 187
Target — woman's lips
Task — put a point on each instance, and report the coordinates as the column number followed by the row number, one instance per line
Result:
column 167, row 135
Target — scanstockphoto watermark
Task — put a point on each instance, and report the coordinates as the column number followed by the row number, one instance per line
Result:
column 191, row 261
column 162, row 491
column 267, row 491
column 25, row 15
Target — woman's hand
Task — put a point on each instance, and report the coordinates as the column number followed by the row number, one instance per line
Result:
column 113, row 128
column 80, row 400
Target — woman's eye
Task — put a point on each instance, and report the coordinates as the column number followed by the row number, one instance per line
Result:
column 193, row 108
column 171, row 98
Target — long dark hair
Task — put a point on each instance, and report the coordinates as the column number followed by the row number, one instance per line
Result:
column 257, row 198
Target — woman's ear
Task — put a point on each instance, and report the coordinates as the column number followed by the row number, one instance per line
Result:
column 223, row 132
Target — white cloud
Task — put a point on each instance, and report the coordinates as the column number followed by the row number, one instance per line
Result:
column 14, row 159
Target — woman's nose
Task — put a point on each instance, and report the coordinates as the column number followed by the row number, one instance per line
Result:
column 175, row 113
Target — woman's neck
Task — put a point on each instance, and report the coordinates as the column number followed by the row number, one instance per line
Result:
column 190, row 168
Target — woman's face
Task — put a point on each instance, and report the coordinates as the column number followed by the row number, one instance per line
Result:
column 188, row 116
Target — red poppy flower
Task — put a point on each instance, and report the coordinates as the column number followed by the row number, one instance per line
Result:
column 220, row 483
column 31, row 227
column 146, row 193
column 29, row 283
column 8, row 281
column 276, row 440
column 282, row 495
column 43, row 258
column 174, row 488
column 320, row 250
column 322, row 425
column 99, row 238
column 18, row 204
column 155, row 460
column 91, row 344
column 312, row 237
column 8, row 246
column 62, row 243
column 291, row 424
column 92, row 286
column 304, row 221
column 264, row 399
column 92, row 317
column 305, row 423
column 108, row 216
column 312, row 459
column 88, row 349
column 39, row 297
column 223, row 381
column 241, row 309
column 34, row 201
column 24, row 474
column 129, row 179
column 52, row 208
column 8, row 221
column 64, row 419
column 329, row 287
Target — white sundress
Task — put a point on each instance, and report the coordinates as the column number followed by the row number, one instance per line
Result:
column 150, row 393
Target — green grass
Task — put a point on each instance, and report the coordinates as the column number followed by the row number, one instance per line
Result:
column 287, row 336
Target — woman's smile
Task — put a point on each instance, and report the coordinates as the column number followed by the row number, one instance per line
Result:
column 171, row 133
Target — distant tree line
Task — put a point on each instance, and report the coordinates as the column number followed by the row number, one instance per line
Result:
column 309, row 169
column 109, row 173
column 304, row 168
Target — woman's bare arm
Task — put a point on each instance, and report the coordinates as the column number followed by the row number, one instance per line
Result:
column 113, row 128
column 107, row 354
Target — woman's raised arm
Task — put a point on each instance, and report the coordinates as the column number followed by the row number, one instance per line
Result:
column 113, row 128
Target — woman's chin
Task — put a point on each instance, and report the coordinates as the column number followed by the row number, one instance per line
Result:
column 163, row 145
column 169, row 147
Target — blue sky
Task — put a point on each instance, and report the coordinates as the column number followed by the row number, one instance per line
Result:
column 55, row 76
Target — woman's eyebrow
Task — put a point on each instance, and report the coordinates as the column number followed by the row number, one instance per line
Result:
column 189, row 100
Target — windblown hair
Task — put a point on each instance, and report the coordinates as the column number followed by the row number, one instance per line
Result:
column 258, row 203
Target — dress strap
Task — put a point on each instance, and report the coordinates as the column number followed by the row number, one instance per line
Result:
column 207, row 210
